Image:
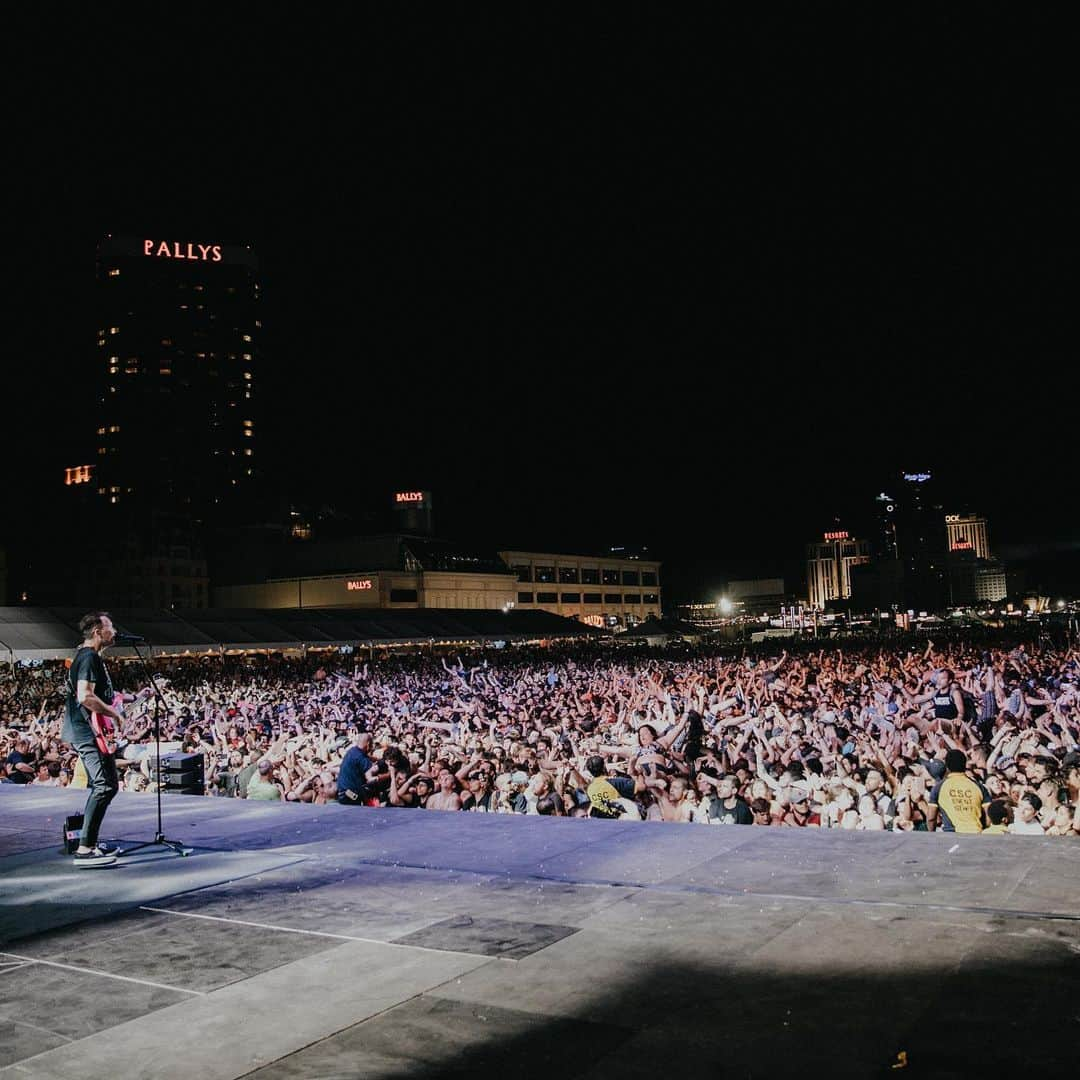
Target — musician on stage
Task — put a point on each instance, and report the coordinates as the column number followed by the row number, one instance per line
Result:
column 90, row 726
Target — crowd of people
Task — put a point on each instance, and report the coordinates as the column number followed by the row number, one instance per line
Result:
column 958, row 735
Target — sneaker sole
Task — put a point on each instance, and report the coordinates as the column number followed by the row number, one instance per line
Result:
column 94, row 864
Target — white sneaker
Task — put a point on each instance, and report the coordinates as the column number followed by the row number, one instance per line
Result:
column 93, row 858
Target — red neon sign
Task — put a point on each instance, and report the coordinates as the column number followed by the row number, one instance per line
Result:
column 409, row 496
column 836, row 536
column 360, row 586
column 962, row 545
column 198, row 252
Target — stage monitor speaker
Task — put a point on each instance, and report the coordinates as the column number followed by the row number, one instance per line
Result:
column 73, row 826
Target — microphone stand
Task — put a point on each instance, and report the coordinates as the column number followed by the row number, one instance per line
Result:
column 160, row 839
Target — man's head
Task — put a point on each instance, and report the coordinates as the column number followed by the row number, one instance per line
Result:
column 800, row 801
column 998, row 812
column 726, row 788
column 265, row 767
column 874, row 781
column 760, row 809
column 363, row 741
column 943, row 679
column 595, row 765
column 1036, row 770
column 956, row 761
column 97, row 628
column 1029, row 807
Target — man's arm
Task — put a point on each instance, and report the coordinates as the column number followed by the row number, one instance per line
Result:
column 84, row 694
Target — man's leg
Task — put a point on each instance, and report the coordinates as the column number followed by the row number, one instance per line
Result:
column 103, row 785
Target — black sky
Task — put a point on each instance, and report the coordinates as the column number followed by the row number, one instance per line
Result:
column 702, row 287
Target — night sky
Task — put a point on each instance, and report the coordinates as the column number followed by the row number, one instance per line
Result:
column 700, row 287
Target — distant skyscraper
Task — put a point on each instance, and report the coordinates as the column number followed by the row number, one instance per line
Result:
column 884, row 543
column 828, row 567
column 968, row 532
column 922, row 543
column 178, row 333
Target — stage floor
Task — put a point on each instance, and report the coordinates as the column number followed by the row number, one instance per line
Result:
column 336, row 942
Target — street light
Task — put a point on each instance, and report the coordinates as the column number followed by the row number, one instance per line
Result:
column 725, row 606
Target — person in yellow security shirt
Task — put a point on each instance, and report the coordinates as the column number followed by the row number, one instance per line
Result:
column 960, row 801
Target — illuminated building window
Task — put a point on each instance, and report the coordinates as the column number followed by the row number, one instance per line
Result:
column 247, row 356
column 249, row 423
column 258, row 324
column 166, row 341
column 248, row 433
column 198, row 288
column 101, row 431
column 114, row 329
column 113, row 499
column 248, row 452
column 166, row 371
column 114, row 429
column 251, row 472
column 114, row 272
column 247, row 374
column 101, row 449
column 247, row 395
column 247, row 337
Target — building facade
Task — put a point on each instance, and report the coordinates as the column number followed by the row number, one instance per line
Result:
column 390, row 571
column 968, row 532
column 829, row 563
column 178, row 338
column 390, row 590
column 602, row 591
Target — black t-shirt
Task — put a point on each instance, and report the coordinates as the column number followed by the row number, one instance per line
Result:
column 739, row 814
column 87, row 666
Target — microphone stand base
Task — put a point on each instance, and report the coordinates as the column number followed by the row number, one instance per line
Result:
column 159, row 841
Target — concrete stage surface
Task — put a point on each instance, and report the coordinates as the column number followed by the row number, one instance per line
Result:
column 301, row 941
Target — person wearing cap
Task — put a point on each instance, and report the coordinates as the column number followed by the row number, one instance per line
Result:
column 960, row 801
column 798, row 813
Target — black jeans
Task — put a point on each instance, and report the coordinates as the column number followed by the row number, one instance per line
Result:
column 101, row 780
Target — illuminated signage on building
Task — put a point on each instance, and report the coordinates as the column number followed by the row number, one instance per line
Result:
column 836, row 536
column 360, row 585
column 593, row 620
column 962, row 545
column 164, row 249
column 952, row 517
column 78, row 474
column 409, row 497
column 917, row 477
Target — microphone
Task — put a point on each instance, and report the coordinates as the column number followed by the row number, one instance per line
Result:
column 122, row 638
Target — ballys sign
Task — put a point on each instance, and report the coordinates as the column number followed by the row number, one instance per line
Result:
column 172, row 249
